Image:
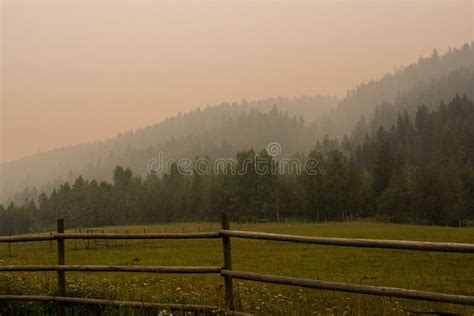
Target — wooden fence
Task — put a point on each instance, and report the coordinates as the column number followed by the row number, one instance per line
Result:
column 226, row 270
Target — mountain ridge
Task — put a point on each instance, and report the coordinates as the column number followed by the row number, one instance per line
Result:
column 185, row 134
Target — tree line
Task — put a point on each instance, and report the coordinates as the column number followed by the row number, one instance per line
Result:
column 227, row 127
column 418, row 171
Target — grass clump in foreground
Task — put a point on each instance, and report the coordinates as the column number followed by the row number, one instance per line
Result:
column 427, row 271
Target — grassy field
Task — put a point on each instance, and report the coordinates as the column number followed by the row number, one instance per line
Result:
column 429, row 271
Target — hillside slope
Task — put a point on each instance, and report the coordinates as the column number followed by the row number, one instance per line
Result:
column 364, row 98
column 296, row 123
column 183, row 134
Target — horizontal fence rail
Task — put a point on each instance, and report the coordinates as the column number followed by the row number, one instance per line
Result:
column 9, row 239
column 75, row 300
column 143, row 305
column 360, row 243
column 109, row 268
column 352, row 288
column 26, row 238
column 226, row 271
column 140, row 236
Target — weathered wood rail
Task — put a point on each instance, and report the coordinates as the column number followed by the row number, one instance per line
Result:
column 57, row 236
column 226, row 270
column 109, row 268
column 94, row 301
column 360, row 243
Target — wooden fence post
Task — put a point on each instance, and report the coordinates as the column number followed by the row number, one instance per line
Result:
column 75, row 241
column 10, row 248
column 229, row 295
column 61, row 261
column 51, row 243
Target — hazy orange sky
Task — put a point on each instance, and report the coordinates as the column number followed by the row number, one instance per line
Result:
column 76, row 71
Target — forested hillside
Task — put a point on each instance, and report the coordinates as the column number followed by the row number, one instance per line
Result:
column 429, row 93
column 364, row 98
column 223, row 130
column 210, row 130
column 418, row 171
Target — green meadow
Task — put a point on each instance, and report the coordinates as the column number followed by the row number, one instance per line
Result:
column 427, row 271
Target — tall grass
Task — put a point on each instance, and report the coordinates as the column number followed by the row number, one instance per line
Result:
column 429, row 271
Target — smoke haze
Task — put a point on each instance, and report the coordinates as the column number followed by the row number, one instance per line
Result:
column 78, row 71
